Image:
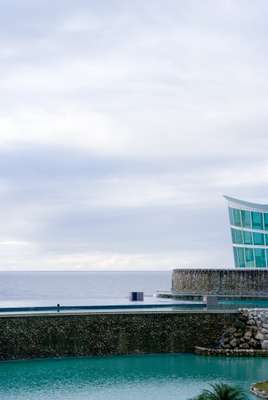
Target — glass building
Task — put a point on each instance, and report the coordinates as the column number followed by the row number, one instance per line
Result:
column 249, row 230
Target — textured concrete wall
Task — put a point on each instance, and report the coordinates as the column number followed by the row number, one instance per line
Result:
column 99, row 334
column 221, row 281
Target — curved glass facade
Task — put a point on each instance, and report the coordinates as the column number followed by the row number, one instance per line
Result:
column 249, row 232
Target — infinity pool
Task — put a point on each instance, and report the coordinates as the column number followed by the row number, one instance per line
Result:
column 148, row 377
column 150, row 304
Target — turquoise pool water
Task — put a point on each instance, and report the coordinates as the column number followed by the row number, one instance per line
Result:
column 257, row 303
column 149, row 377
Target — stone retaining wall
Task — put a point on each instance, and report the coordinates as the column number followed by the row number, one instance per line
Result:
column 247, row 336
column 249, row 331
column 240, row 282
column 58, row 335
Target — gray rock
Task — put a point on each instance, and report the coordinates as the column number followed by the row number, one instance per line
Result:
column 259, row 336
column 244, row 346
column 253, row 343
column 231, row 330
column 234, row 342
column 239, row 324
column 248, row 335
column 264, row 345
column 238, row 334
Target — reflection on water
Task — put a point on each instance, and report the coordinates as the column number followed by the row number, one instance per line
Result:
column 149, row 377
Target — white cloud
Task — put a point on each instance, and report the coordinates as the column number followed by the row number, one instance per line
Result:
column 170, row 89
column 180, row 85
column 69, row 128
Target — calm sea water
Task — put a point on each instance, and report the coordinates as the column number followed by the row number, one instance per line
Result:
column 70, row 288
column 149, row 377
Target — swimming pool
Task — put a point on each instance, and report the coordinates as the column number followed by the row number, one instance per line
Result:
column 134, row 306
column 156, row 306
column 246, row 303
column 147, row 377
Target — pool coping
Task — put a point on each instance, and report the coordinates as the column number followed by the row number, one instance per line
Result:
column 118, row 312
column 173, row 294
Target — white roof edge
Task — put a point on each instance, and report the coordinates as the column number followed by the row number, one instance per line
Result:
column 246, row 204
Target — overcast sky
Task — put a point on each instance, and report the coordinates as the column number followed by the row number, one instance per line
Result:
column 122, row 123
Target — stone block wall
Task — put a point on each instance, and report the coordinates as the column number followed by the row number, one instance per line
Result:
column 240, row 282
column 58, row 335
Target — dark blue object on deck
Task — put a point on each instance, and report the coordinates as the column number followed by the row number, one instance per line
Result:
column 136, row 296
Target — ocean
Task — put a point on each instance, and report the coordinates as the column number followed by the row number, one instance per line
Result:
column 18, row 289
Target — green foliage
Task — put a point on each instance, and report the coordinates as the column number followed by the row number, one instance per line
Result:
column 222, row 391
column 262, row 386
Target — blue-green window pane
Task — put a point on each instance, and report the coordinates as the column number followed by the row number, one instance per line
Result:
column 236, row 217
column 258, row 238
column 257, row 222
column 249, row 258
column 247, row 237
column 231, row 216
column 260, row 258
column 266, row 239
column 266, row 221
column 241, row 257
column 237, row 236
column 236, row 257
column 246, row 220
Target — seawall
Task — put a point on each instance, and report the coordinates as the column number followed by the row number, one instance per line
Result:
column 233, row 282
column 86, row 334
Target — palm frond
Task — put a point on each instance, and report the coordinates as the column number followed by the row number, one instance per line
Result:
column 222, row 391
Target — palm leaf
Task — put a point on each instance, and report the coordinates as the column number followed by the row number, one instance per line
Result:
column 222, row 391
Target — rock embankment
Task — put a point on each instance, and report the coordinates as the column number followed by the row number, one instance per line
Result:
column 249, row 331
column 210, row 351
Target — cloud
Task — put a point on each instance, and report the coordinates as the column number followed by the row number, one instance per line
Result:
column 122, row 124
